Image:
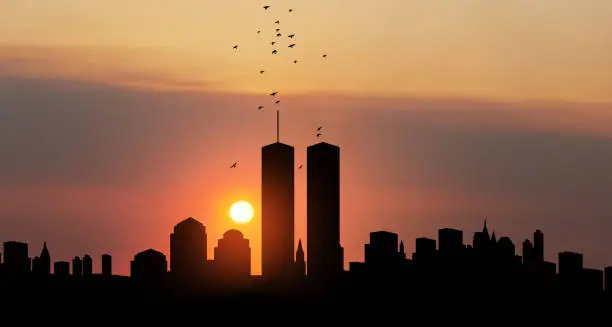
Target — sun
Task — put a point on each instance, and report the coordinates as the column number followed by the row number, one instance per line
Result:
column 241, row 212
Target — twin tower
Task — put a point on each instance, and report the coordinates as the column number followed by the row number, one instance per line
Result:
column 325, row 256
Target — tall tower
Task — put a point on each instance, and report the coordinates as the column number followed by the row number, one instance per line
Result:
column 325, row 255
column 277, row 207
column 538, row 245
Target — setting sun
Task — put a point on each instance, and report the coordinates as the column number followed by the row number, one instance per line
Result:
column 241, row 212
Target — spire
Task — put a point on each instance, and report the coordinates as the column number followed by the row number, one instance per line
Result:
column 45, row 252
column 299, row 253
column 493, row 238
column 401, row 247
column 277, row 125
column 299, row 247
column 484, row 228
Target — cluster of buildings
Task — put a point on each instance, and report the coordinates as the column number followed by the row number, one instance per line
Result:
column 17, row 262
column 447, row 259
column 281, row 257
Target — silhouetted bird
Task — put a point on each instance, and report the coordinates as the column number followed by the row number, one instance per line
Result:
column 295, row 61
column 262, row 71
column 319, row 128
column 274, row 93
column 277, row 101
column 291, row 36
column 324, row 56
column 278, row 29
column 235, row 47
column 274, row 52
column 260, row 108
column 319, row 134
column 300, row 166
column 273, row 42
column 266, row 7
column 277, row 22
column 290, row 10
column 278, row 35
column 258, row 32
column 291, row 45
column 234, row 164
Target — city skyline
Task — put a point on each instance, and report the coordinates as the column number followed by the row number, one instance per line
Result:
column 117, row 119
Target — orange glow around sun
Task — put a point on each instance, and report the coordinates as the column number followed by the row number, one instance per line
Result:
column 241, row 212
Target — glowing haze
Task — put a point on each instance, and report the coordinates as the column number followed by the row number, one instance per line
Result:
column 548, row 49
column 120, row 118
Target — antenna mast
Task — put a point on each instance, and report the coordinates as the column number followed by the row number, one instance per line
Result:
column 277, row 125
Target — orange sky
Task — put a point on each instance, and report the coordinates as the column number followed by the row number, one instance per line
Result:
column 145, row 159
column 550, row 49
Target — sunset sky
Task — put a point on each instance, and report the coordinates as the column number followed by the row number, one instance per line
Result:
column 118, row 119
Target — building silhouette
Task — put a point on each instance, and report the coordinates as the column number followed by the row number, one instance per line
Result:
column 277, row 206
column 188, row 249
column 41, row 265
column 538, row 246
column 77, row 267
column 87, row 266
column 300, row 262
column 382, row 255
column 16, row 260
column 325, row 255
column 232, row 256
column 61, row 268
column 571, row 270
column 107, row 265
column 425, row 251
column 608, row 278
column 149, row 264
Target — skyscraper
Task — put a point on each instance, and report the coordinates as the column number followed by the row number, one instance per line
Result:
column 325, row 255
column 538, row 245
column 77, row 267
column 107, row 265
column 16, row 260
column 188, row 248
column 277, row 206
column 87, row 265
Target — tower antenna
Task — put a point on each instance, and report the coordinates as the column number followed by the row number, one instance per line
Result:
column 277, row 126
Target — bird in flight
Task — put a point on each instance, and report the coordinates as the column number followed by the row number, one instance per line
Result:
column 295, row 61
column 235, row 47
column 290, row 10
column 274, row 93
column 319, row 134
column 258, row 32
column 234, row 164
column 291, row 36
column 277, row 22
column 273, row 42
column 291, row 45
column 277, row 101
column 300, row 166
column 260, row 107
column 262, row 71
column 278, row 35
column 319, row 128
column 324, row 56
column 274, row 52
column 266, row 7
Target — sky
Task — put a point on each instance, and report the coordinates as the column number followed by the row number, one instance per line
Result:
column 118, row 119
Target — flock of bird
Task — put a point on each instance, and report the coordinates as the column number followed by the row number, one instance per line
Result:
column 275, row 45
